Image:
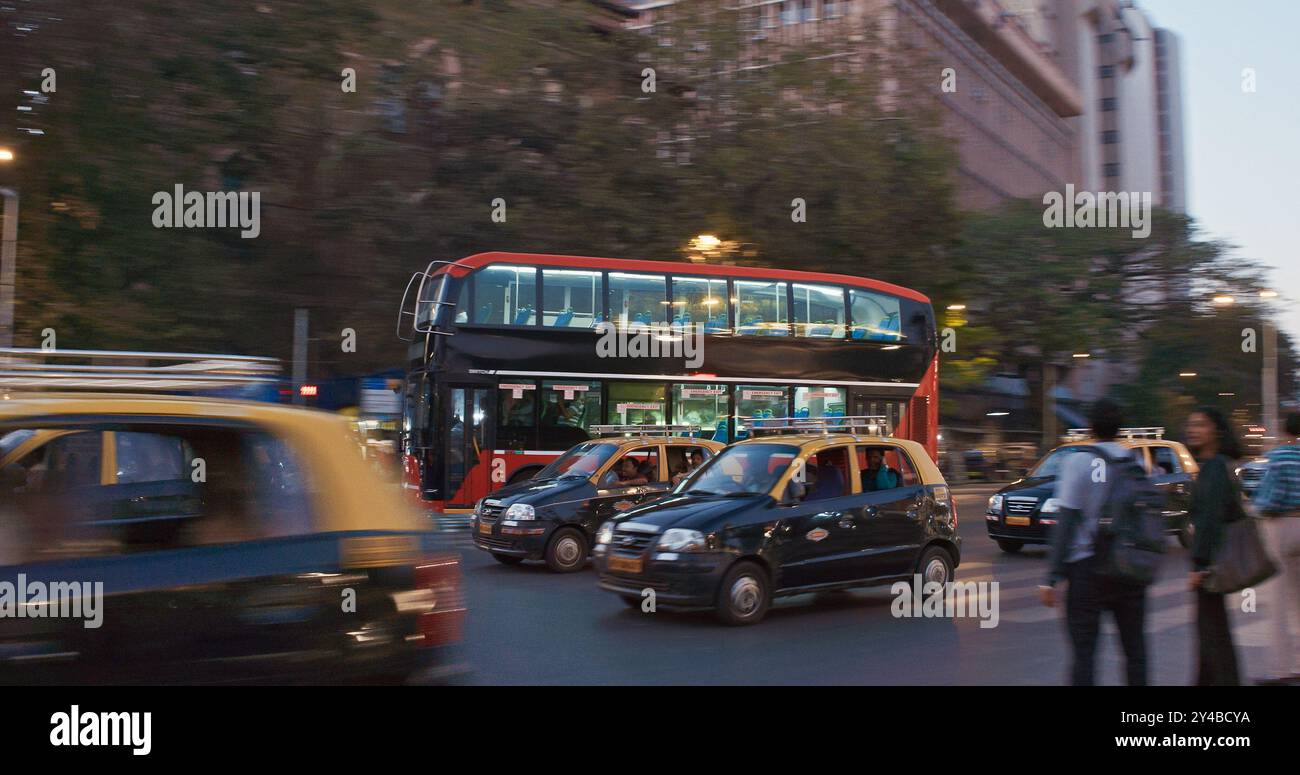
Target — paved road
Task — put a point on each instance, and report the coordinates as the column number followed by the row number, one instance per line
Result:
column 529, row 626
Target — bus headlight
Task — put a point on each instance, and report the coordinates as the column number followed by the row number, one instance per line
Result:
column 520, row 511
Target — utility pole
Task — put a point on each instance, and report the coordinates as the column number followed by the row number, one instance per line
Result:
column 1049, row 405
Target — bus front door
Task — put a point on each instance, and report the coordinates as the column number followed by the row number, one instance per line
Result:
column 467, row 418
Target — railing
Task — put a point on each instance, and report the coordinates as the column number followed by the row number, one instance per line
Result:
column 37, row 369
column 1083, row 434
column 645, row 430
column 870, row 425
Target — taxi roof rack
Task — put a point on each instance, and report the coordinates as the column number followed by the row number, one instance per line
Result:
column 866, row 424
column 113, row 370
column 644, row 430
column 1154, row 432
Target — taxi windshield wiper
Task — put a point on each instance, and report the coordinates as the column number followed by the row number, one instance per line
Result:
column 701, row 492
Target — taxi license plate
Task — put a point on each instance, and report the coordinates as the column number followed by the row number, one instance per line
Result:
column 1020, row 521
column 625, row 564
column 485, row 529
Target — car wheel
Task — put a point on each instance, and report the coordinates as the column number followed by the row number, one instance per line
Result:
column 743, row 596
column 506, row 559
column 936, row 566
column 567, row 551
column 1010, row 547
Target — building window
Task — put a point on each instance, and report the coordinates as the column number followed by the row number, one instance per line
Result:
column 830, row 9
column 1110, row 137
column 1107, row 71
column 1110, row 170
column 789, row 13
column 1108, row 104
column 1106, row 37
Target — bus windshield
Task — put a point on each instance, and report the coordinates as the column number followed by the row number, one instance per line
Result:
column 746, row 469
column 581, row 461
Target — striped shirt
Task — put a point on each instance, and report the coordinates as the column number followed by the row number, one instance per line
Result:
column 1280, row 490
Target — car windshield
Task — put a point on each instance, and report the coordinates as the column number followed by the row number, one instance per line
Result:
column 1050, row 466
column 743, row 469
column 10, row 441
column 581, row 461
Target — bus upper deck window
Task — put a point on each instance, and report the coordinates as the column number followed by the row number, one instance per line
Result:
column 571, row 298
column 638, row 299
column 818, row 311
column 506, row 296
column 876, row 317
column 761, row 308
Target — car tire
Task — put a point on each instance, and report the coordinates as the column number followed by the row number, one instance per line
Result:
column 506, row 559
column 567, row 551
column 631, row 601
column 935, row 565
column 744, row 595
column 1010, row 546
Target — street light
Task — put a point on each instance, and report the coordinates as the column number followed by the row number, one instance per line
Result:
column 8, row 257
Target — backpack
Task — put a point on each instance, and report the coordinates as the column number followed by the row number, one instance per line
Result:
column 1130, row 537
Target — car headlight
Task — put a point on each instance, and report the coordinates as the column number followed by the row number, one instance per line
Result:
column 1050, row 506
column 995, row 504
column 521, row 511
column 681, row 540
column 605, row 534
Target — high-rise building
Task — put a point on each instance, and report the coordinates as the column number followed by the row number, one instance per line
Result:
column 1010, row 109
column 1130, row 132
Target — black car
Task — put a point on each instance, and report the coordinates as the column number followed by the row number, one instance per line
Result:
column 782, row 515
column 1023, row 512
column 554, row 515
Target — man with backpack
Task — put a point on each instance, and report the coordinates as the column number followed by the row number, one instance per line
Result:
column 1105, row 545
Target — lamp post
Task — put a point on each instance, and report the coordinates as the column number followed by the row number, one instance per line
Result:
column 8, row 256
column 1268, row 371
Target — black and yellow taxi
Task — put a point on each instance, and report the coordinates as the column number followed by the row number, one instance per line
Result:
column 803, row 505
column 554, row 515
column 1024, row 511
column 169, row 538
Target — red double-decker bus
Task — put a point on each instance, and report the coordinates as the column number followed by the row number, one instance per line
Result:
column 514, row 356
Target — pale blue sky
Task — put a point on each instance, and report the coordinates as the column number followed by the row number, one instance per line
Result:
column 1243, row 150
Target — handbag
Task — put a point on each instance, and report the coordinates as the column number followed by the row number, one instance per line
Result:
column 1242, row 560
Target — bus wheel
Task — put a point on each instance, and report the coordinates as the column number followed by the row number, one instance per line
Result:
column 523, row 474
column 506, row 559
column 567, row 551
column 743, row 596
column 1009, row 546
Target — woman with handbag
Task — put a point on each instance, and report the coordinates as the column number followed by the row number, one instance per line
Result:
column 1215, row 502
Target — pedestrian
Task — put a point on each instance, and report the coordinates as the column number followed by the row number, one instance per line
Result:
column 1278, row 501
column 1215, row 501
column 1080, row 497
